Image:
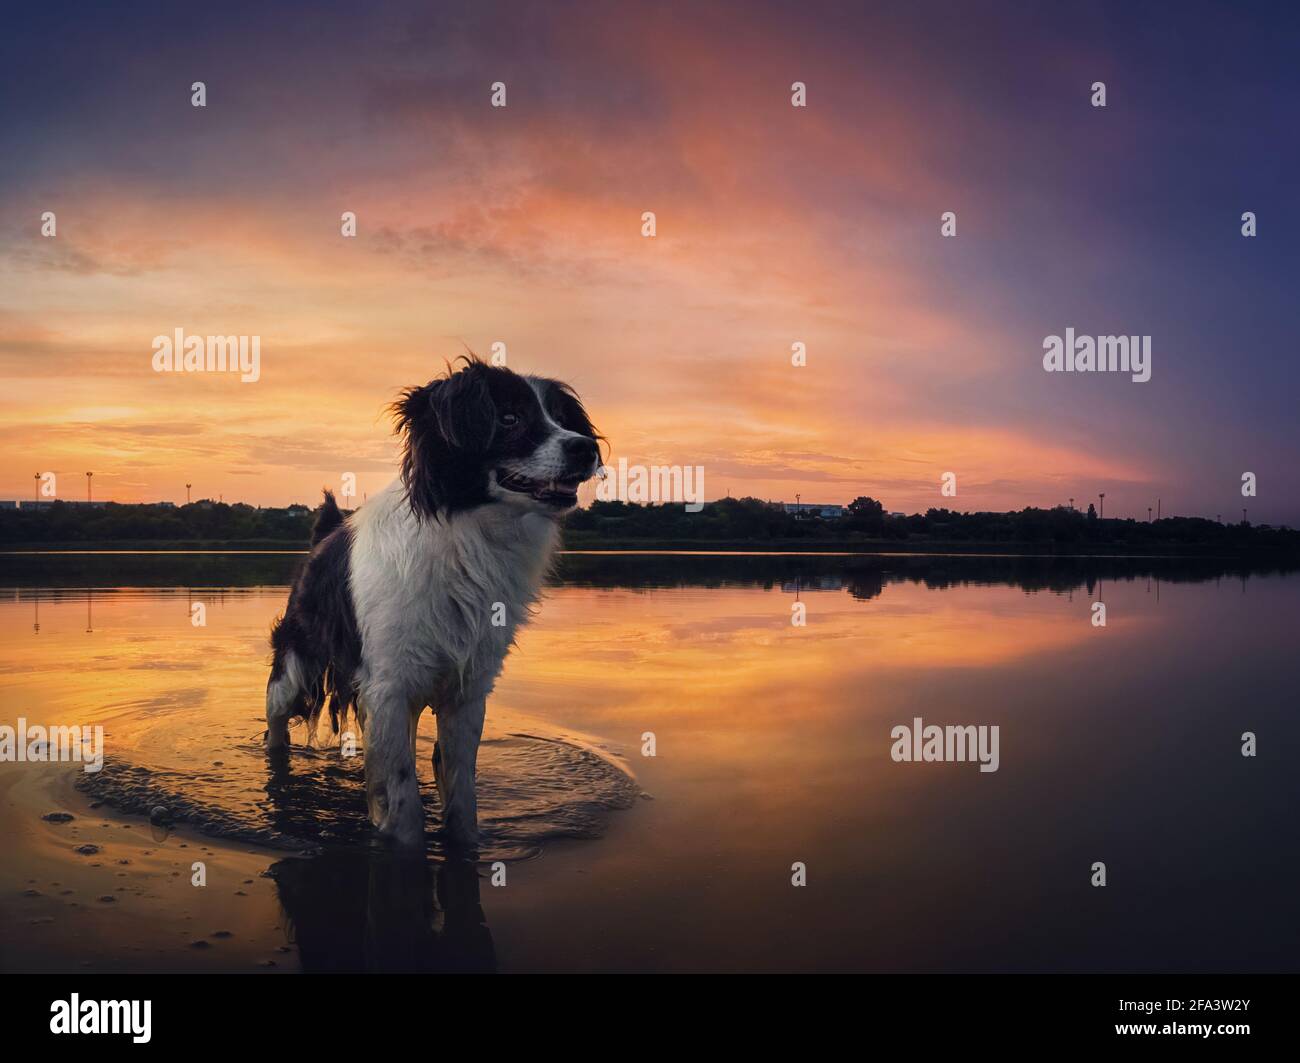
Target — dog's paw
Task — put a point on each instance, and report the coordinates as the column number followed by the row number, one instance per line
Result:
column 460, row 836
column 400, row 819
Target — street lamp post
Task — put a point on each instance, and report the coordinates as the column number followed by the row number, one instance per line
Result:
column 1102, row 496
column 88, row 476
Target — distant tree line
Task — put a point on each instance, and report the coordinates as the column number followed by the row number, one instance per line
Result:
column 747, row 520
column 866, row 519
column 61, row 522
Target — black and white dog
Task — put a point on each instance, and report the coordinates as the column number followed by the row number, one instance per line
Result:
column 414, row 599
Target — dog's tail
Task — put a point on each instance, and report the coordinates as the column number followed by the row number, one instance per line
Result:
column 329, row 518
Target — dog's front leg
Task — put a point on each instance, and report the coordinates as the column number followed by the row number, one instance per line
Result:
column 392, row 790
column 460, row 726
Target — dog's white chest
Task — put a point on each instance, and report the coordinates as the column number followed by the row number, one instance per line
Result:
column 441, row 601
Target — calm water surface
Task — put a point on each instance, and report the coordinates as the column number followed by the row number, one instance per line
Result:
column 1119, row 744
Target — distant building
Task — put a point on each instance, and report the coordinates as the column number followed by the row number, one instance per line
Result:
column 297, row 510
column 8, row 503
column 899, row 514
column 813, row 509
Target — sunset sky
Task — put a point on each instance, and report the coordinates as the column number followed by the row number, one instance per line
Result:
column 776, row 225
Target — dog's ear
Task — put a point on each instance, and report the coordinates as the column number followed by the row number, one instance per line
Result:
column 447, row 427
column 463, row 411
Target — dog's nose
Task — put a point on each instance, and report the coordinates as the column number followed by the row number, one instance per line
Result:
column 580, row 450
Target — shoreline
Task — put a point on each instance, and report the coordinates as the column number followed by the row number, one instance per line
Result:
column 107, row 891
column 61, row 908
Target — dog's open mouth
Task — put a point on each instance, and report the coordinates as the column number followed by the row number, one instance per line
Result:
column 560, row 492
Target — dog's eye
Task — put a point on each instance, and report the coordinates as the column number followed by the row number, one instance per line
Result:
column 509, row 420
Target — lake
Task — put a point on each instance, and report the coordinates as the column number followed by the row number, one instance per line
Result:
column 767, row 687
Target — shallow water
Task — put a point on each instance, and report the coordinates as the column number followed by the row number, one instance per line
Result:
column 183, row 731
column 1119, row 744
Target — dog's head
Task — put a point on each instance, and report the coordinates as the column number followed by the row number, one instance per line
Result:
column 483, row 434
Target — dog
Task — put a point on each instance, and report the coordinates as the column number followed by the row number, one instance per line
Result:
column 414, row 599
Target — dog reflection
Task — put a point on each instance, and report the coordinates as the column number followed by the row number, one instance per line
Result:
column 373, row 909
